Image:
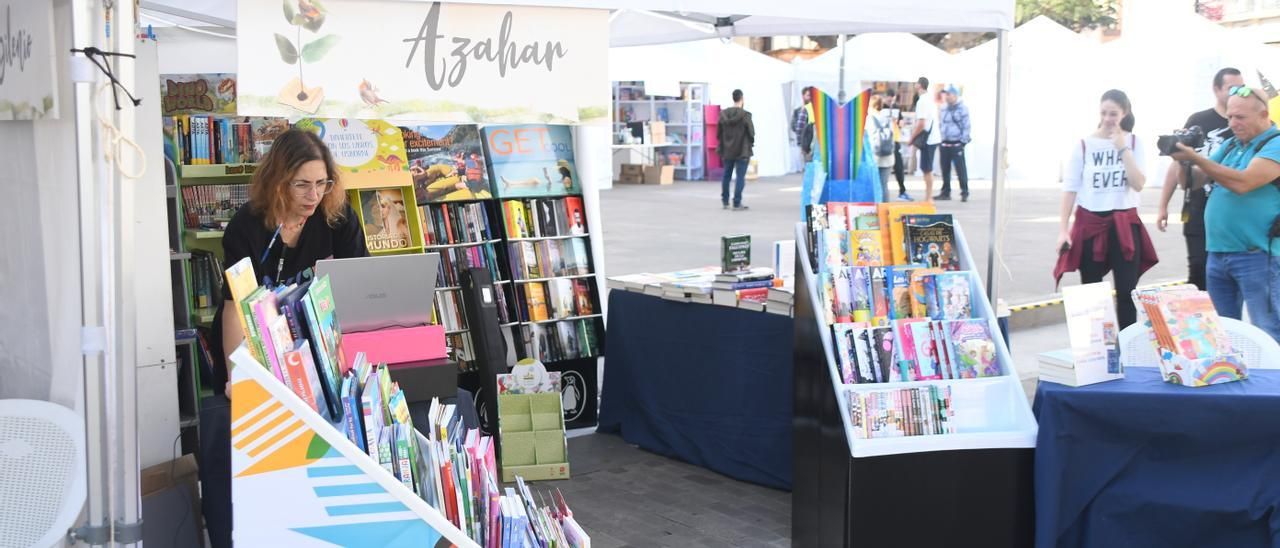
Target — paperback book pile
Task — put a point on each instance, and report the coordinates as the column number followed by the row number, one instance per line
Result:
column 916, row 350
column 211, row 206
column 748, row 289
column 782, row 295
column 1190, row 341
column 693, row 285
column 293, row 331
column 916, row 411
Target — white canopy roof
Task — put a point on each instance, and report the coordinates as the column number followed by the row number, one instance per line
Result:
column 887, row 57
column 736, row 17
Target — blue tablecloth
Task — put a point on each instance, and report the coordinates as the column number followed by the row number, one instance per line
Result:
column 705, row 384
column 1139, row 462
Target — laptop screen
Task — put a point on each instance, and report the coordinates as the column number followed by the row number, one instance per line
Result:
column 372, row 293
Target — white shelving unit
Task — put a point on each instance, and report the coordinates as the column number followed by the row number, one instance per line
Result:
column 685, row 127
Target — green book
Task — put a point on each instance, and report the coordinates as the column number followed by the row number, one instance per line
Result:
column 735, row 253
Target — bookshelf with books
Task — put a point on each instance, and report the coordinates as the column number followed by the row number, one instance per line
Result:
column 683, row 140
column 907, row 361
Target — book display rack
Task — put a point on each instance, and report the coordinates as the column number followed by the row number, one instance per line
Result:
column 681, row 142
column 908, row 435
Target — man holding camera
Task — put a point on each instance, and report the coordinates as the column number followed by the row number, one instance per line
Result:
column 1242, row 214
column 1213, row 122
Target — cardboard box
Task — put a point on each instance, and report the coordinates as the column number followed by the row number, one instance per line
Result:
column 532, row 437
column 659, row 175
column 171, row 503
column 658, row 133
column 632, row 174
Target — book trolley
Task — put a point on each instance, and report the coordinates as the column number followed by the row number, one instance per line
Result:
column 284, row 455
column 968, row 488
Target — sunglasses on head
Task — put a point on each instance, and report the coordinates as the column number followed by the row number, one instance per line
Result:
column 1244, row 91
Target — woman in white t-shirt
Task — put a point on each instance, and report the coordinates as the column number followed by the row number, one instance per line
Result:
column 1101, row 182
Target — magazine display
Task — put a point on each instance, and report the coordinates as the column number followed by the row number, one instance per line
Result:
column 447, row 162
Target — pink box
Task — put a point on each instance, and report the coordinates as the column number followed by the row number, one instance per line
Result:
column 396, row 345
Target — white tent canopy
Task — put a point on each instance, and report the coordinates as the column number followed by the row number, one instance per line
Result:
column 1059, row 74
column 724, row 67
column 886, row 57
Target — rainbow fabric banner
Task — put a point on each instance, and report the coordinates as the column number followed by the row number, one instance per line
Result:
column 838, row 132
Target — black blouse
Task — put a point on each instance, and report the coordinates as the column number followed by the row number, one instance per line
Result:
column 247, row 236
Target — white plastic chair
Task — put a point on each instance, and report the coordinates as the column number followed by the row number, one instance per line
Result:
column 1259, row 350
column 42, row 472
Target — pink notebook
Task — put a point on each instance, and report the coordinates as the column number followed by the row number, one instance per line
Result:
column 396, row 345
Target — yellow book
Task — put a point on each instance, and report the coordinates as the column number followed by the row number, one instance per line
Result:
column 867, row 247
column 242, row 281
column 537, row 301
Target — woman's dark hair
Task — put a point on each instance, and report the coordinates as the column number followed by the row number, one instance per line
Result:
column 1121, row 100
column 564, row 172
column 270, row 191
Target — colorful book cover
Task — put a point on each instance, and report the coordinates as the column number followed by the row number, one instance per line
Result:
column 326, row 331
column 352, row 414
column 582, row 297
column 242, row 281
column 735, row 253
column 1193, row 324
column 973, row 348
column 885, row 344
column 891, row 218
column 931, row 241
column 860, row 293
column 827, row 281
column 562, row 297
column 846, row 351
column 880, row 298
column 866, row 247
column 281, row 342
column 208, row 93
column 264, row 313
column 295, row 361
column 446, row 162
column 404, row 457
column 946, row 362
column 514, row 213
column 923, row 296
column 843, row 295
column 531, row 160
column 927, row 364
column 837, row 215
column 868, row 222
column 580, row 265
column 955, row 302
column 906, row 361
column 536, row 301
column 576, row 215
column 386, row 443
column 868, row 364
column 899, row 282
column 385, row 219
column 834, row 249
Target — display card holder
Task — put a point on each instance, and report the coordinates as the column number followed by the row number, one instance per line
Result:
column 298, row 481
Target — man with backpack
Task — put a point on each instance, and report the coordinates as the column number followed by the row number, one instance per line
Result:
column 1242, row 214
column 955, row 135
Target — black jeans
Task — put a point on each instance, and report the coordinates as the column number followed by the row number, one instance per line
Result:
column 1197, row 260
column 953, row 153
column 899, row 169
column 215, row 468
column 1124, row 273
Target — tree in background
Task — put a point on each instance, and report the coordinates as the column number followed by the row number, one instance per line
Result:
column 1077, row 15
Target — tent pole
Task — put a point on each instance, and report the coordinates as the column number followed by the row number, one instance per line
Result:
column 843, row 51
column 998, row 168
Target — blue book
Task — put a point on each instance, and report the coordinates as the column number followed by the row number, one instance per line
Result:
column 352, row 414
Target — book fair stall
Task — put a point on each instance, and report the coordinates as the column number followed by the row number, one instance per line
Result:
column 491, row 196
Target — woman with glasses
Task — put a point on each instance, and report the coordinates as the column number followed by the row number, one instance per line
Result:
column 297, row 214
column 1101, row 182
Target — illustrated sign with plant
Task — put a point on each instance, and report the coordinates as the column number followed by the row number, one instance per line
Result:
column 309, row 15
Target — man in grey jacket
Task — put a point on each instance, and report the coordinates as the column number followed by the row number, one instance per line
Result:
column 736, row 135
column 955, row 135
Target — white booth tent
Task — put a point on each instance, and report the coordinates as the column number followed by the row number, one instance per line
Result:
column 1059, row 74
column 724, row 68
column 881, row 57
column 57, row 163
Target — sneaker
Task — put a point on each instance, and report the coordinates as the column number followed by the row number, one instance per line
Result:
column 724, row 206
column 905, row 197
column 942, row 197
column 740, row 208
column 964, row 197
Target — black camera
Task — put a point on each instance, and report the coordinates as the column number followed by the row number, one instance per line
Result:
column 1192, row 137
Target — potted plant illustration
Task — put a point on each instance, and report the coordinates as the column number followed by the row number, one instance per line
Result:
column 309, row 15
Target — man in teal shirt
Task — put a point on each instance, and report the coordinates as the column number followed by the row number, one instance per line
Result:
column 1244, row 259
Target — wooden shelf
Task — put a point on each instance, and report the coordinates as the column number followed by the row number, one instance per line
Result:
column 575, row 276
column 540, row 238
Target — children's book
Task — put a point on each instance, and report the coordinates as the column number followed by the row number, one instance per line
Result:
column 838, row 215
column 842, row 282
column 955, row 301
column 891, row 232
column 880, row 298
column 834, row 249
column 884, row 341
column 973, row 349
column 923, row 296
column 846, row 351
column 860, row 293
column 867, row 370
column 866, row 247
column 899, row 281
column 826, row 282
column 385, row 218
column 930, row 240
column 927, row 359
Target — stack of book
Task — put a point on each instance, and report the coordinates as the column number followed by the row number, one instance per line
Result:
column 781, row 300
column 747, row 289
column 1058, row 366
column 637, row 283
column 916, row 411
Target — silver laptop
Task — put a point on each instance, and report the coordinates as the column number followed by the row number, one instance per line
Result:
column 374, row 293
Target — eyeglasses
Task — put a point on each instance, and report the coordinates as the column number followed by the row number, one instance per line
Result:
column 321, row 186
column 1245, row 91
